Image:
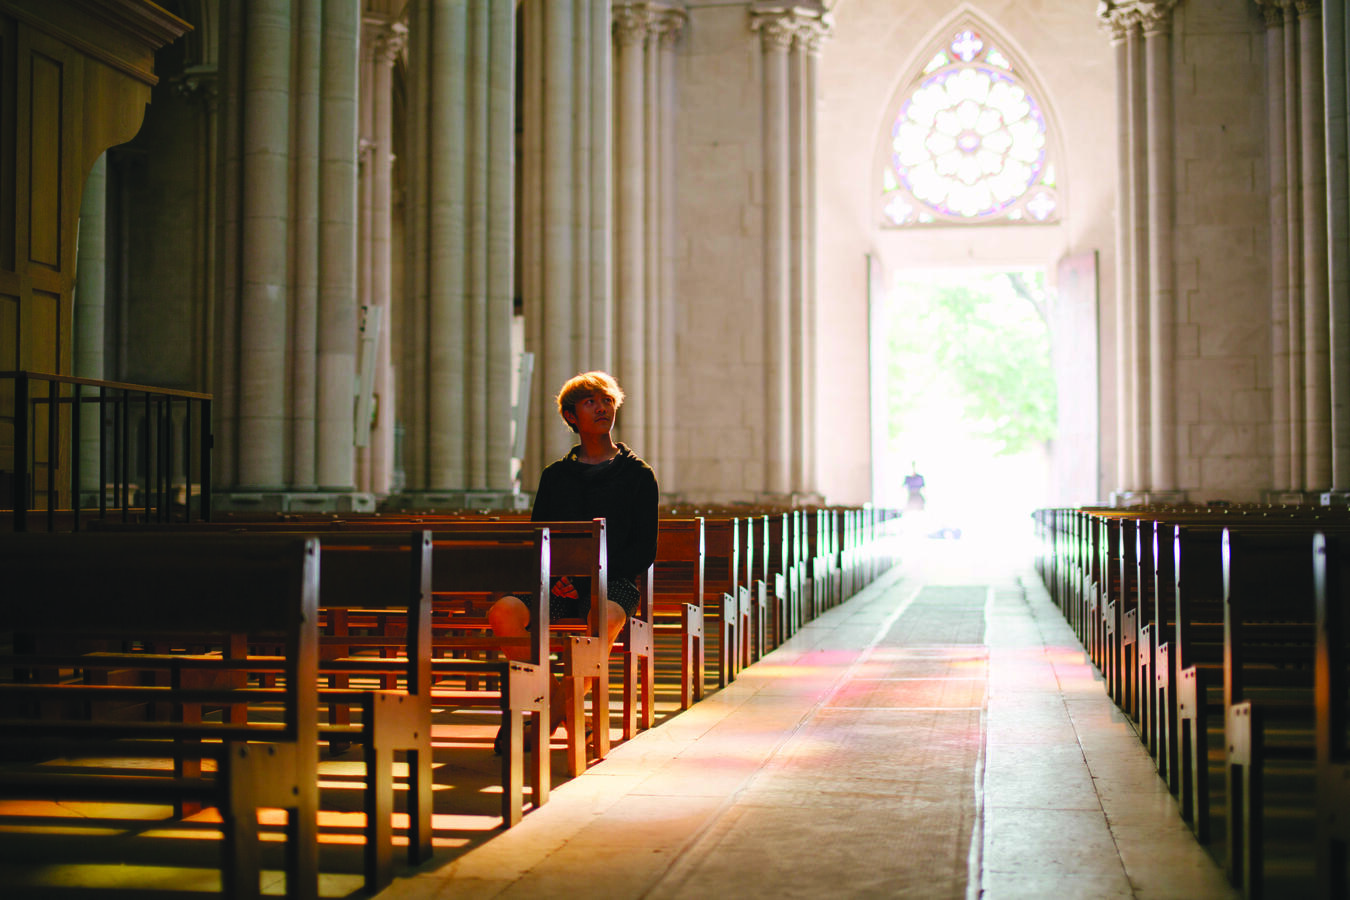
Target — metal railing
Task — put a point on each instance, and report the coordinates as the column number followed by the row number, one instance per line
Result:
column 85, row 448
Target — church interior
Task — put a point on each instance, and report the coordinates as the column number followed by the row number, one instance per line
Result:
column 992, row 358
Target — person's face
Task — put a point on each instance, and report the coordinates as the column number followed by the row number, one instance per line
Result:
column 593, row 415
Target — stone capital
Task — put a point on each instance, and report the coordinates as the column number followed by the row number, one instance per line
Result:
column 197, row 84
column 390, row 42
column 1308, row 8
column 668, row 24
column 1273, row 11
column 781, row 25
column 1119, row 16
column 633, row 22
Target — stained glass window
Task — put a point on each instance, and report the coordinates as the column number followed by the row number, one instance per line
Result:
column 969, row 144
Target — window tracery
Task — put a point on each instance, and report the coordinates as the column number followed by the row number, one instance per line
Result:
column 970, row 143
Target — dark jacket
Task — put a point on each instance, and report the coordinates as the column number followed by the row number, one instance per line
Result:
column 623, row 491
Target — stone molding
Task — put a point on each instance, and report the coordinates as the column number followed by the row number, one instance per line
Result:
column 1152, row 16
column 781, row 26
column 1274, row 11
column 123, row 34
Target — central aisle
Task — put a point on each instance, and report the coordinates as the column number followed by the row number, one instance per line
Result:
column 939, row 735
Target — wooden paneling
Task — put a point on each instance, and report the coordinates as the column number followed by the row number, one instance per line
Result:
column 45, row 120
column 42, row 316
column 75, row 77
column 8, row 132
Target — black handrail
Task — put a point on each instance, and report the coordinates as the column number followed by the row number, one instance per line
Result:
column 64, row 397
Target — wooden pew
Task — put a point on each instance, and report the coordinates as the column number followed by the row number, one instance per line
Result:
column 385, row 578
column 1331, row 679
column 758, row 579
column 579, row 645
column 467, row 573
column 127, row 588
column 721, row 594
column 577, row 549
column 1269, row 649
column 677, row 598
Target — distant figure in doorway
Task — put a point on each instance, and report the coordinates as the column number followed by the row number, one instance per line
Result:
column 598, row 478
column 914, row 484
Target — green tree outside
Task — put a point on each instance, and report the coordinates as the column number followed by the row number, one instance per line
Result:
column 986, row 341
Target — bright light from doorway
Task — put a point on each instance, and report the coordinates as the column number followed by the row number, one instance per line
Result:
column 969, row 405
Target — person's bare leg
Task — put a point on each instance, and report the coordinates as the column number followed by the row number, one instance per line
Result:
column 509, row 617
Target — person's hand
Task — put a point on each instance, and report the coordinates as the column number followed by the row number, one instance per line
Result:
column 563, row 587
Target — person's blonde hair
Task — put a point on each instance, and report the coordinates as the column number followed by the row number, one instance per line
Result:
column 587, row 384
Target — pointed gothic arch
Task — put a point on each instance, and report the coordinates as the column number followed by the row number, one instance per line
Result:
column 969, row 137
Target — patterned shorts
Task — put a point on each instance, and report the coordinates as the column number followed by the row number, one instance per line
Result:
column 573, row 599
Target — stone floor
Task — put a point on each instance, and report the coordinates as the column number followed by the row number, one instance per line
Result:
column 939, row 735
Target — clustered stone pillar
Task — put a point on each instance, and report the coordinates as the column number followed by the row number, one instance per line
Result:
column 455, row 346
column 286, row 326
column 1146, row 418
column 1335, row 58
column 383, row 43
column 645, row 34
column 250, row 408
column 566, row 278
column 790, row 36
column 1303, row 309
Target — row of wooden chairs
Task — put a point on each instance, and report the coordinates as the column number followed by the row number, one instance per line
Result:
column 194, row 647
column 1220, row 633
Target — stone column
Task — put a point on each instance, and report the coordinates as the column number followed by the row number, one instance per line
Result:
column 1294, row 269
column 264, row 220
column 557, row 362
column 1140, row 370
column 198, row 85
column 500, row 250
column 1317, row 359
column 801, row 358
column 306, row 104
column 812, row 40
column 631, row 27
column 600, row 189
column 444, row 327
column 460, row 235
column 1276, row 151
column 654, row 303
column 337, row 320
column 91, row 270
column 566, row 208
column 542, row 419
column 1162, row 298
column 1125, row 479
column 670, row 25
column 799, row 328
column 385, row 42
column 776, row 33
column 1335, row 76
